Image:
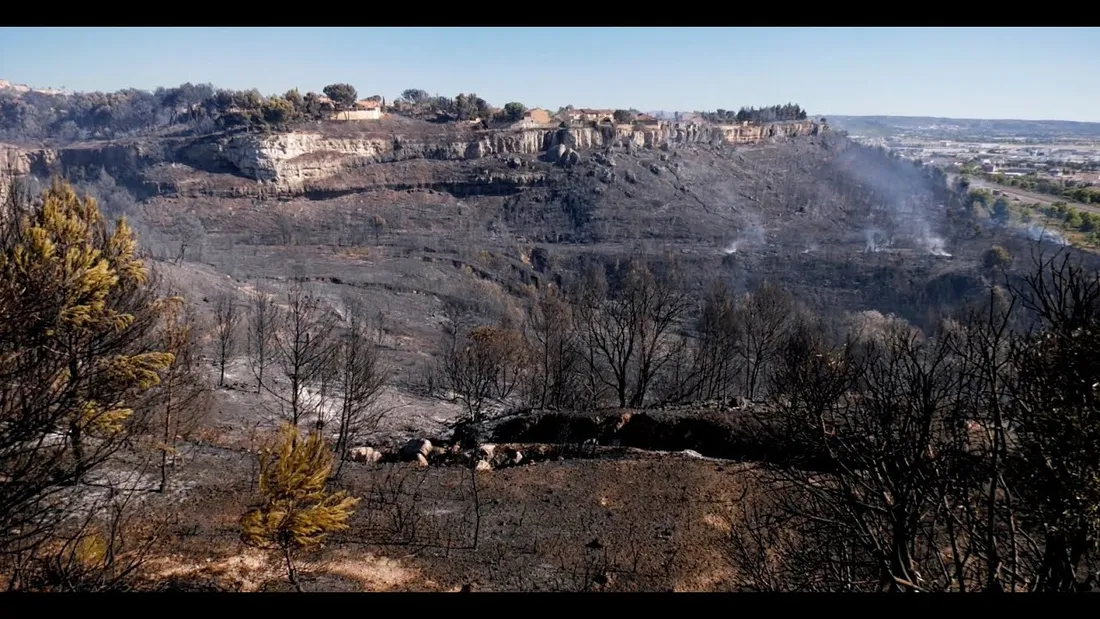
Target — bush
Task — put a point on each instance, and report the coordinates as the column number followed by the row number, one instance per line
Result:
column 996, row 257
column 1074, row 219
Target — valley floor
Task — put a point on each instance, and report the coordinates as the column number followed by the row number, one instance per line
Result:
column 625, row 521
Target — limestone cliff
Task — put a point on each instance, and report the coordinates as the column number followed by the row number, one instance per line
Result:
column 290, row 160
column 21, row 160
column 300, row 160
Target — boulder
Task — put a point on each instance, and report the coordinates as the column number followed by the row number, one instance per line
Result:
column 486, row 451
column 567, row 156
column 606, row 159
column 631, row 177
column 416, row 447
column 421, row 460
column 482, row 466
column 364, row 454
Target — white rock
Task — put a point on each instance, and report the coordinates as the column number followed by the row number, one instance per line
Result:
column 364, row 454
column 482, row 466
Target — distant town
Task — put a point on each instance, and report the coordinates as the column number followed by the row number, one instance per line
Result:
column 1062, row 151
column 1068, row 163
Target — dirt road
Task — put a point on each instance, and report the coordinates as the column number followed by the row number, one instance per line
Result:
column 1029, row 196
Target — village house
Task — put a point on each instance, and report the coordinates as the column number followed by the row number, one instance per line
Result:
column 537, row 115
column 646, row 121
column 533, row 119
column 365, row 109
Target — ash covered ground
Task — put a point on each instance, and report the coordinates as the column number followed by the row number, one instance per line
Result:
column 844, row 228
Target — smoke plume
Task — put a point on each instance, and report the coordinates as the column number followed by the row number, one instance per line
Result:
column 1041, row 234
column 752, row 235
column 906, row 211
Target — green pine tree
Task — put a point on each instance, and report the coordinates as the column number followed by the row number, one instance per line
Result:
column 297, row 511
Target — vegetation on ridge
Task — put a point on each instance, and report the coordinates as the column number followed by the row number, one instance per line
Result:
column 202, row 108
column 773, row 113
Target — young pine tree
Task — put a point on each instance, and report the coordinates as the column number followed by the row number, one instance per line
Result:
column 297, row 511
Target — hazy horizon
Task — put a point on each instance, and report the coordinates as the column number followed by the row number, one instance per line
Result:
column 956, row 73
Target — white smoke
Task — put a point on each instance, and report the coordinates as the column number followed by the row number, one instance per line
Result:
column 903, row 204
column 752, row 235
column 936, row 246
column 877, row 240
column 1038, row 233
column 932, row 243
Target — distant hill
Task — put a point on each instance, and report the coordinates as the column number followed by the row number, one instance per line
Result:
column 960, row 128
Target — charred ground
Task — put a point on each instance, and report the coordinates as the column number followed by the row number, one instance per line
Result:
column 842, row 227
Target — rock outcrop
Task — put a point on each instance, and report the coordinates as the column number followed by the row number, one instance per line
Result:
column 368, row 455
column 298, row 160
column 292, row 160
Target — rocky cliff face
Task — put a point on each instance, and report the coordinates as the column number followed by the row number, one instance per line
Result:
column 21, row 160
column 298, row 161
column 748, row 134
column 292, row 160
column 124, row 160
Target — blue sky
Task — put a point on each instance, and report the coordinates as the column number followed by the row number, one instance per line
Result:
column 1030, row 73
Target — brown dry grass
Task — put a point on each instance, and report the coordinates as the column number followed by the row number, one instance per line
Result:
column 248, row 570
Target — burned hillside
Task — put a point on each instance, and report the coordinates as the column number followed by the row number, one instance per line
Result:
column 840, row 225
column 494, row 340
